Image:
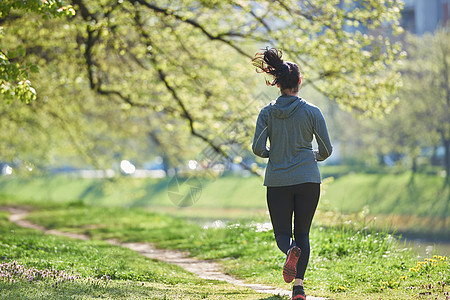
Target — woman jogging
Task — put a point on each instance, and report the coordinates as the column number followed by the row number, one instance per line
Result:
column 292, row 176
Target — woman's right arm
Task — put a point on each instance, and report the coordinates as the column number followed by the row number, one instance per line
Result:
column 322, row 138
column 259, row 145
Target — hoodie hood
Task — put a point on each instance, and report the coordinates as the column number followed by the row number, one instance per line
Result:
column 286, row 106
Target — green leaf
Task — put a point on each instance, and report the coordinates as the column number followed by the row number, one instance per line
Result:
column 34, row 68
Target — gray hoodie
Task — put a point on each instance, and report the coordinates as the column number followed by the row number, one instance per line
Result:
column 290, row 124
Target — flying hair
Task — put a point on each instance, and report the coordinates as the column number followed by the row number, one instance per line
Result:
column 285, row 74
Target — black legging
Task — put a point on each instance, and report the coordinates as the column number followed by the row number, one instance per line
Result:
column 300, row 200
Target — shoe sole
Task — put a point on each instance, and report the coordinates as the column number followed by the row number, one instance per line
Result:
column 290, row 267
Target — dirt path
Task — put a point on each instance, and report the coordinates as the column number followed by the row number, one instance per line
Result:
column 203, row 268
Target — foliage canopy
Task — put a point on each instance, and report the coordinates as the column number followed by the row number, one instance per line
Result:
column 167, row 69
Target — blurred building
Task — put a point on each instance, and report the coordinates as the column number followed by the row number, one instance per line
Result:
column 418, row 16
column 421, row 16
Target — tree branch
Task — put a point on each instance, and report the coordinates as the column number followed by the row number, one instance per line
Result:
column 185, row 113
column 93, row 36
column 192, row 22
column 84, row 10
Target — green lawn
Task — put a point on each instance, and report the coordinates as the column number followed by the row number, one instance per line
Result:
column 38, row 266
column 382, row 193
column 425, row 195
column 416, row 207
column 225, row 192
column 348, row 260
column 345, row 262
column 420, row 206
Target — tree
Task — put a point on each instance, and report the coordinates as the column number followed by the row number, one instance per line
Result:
column 14, row 83
column 427, row 90
column 183, row 66
column 421, row 119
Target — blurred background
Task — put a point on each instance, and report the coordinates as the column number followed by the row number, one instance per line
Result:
column 153, row 105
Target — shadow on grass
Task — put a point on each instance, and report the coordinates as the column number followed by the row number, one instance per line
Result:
column 151, row 191
column 94, row 190
column 122, row 289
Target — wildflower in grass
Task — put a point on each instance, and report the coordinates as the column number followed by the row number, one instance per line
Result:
column 14, row 272
column 430, row 265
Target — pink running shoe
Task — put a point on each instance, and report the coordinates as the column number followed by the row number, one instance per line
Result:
column 290, row 266
column 298, row 293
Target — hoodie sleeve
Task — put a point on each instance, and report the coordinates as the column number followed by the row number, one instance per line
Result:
column 322, row 138
column 259, row 145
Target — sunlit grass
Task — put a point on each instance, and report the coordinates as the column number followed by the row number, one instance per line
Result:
column 360, row 263
column 350, row 258
column 417, row 206
column 421, row 195
column 382, row 193
column 37, row 266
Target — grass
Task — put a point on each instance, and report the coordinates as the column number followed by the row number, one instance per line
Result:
column 356, row 264
column 425, row 195
column 38, row 266
column 418, row 207
column 348, row 260
column 132, row 192
column 384, row 193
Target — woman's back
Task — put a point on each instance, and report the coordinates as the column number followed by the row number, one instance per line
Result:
column 291, row 123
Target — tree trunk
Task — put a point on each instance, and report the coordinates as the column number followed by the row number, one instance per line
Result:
column 446, row 88
column 414, row 165
column 446, row 144
column 434, row 158
column 447, row 160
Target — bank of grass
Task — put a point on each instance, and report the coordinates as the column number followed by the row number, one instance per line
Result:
column 403, row 193
column 224, row 192
column 383, row 193
column 38, row 266
column 416, row 205
column 346, row 262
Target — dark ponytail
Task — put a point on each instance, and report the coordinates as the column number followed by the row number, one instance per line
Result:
column 286, row 74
